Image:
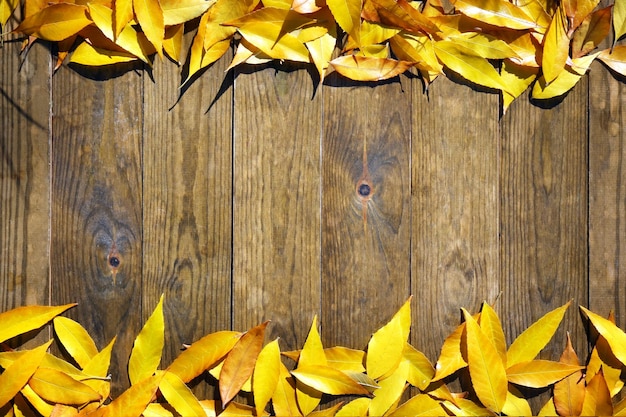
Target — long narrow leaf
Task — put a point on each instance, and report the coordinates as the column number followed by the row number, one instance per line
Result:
column 17, row 374
column 24, row 319
column 146, row 354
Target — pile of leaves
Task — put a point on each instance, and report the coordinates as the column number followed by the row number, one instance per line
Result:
column 372, row 382
column 502, row 45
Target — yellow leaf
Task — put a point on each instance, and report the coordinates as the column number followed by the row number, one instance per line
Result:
column 312, row 354
column 462, row 61
column 569, row 393
column 75, row 340
column 24, row 319
column 157, row 410
column 492, row 328
column 58, row 387
column 548, row 409
column 483, row 45
column 593, row 30
column 266, row 36
column 265, row 376
column 489, row 378
column 614, row 336
column 280, row 4
column 173, row 41
column 555, row 47
column 497, row 12
column 16, row 375
column 85, row 54
column 420, row 405
column 328, row 380
column 528, row 344
column 148, row 347
column 150, row 18
column 133, row 401
column 384, row 350
column 128, row 39
column 616, row 59
column 400, row 14
column 565, row 81
column 416, row 48
column 421, row 371
column 235, row 409
column 203, row 354
column 306, row 6
column 360, row 68
column 347, row 14
column 539, row 373
column 516, row 404
column 603, row 358
column 597, row 398
column 517, row 78
column 321, row 51
column 224, row 11
column 43, row 407
column 123, row 15
column 6, row 10
column 465, row 407
column 180, row 11
column 450, row 359
column 56, row 22
column 619, row 20
column 390, row 391
column 239, row 363
column 620, row 408
column 178, row 395
column 355, row 408
column 284, row 398
column 345, row 359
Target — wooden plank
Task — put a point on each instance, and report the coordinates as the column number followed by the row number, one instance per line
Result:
column 454, row 208
column 24, row 175
column 187, row 204
column 276, row 259
column 543, row 215
column 607, row 194
column 96, row 248
column 365, row 270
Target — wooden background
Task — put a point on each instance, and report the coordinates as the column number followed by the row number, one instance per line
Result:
column 240, row 202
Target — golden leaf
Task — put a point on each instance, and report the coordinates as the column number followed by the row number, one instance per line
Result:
column 123, row 13
column 368, row 69
column 565, row 81
column 267, row 37
column 465, row 407
column 488, row 375
column 592, row 31
column 497, row 12
column 384, row 350
column 483, row 45
column 355, row 408
column 75, row 340
column 24, row 319
column 603, row 358
column 597, row 398
column 173, row 41
column 450, row 359
column 6, row 10
column 223, row 11
column 555, row 47
column 569, row 393
column 616, row 59
column 133, row 401
column 43, row 407
column 57, row 387
column 150, row 18
column 328, row 380
column 390, row 391
column 345, row 359
column 265, row 376
column 398, row 14
column 614, row 336
column 235, row 409
column 180, row 11
column 56, row 22
column 157, row 410
column 307, row 6
column 420, row 405
column 284, row 397
column 178, row 395
column 530, row 342
column 280, row 4
column 492, row 328
column 619, row 20
column 421, row 371
column 517, row 79
column 85, row 54
column 312, row 354
column 16, row 375
column 539, row 373
column 145, row 356
column 239, row 363
column 347, row 14
column 416, row 48
column 515, row 404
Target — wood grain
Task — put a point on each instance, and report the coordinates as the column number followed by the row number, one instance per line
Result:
column 454, row 205
column 607, row 194
column 187, row 210
column 365, row 270
column 96, row 207
column 24, row 175
column 543, row 211
column 276, row 259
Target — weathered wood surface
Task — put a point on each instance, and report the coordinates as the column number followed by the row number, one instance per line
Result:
column 241, row 203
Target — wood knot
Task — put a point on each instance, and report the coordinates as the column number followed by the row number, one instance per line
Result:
column 364, row 190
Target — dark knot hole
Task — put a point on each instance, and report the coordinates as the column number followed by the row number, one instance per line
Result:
column 364, row 190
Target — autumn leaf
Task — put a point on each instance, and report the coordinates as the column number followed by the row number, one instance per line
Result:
column 178, row 395
column 616, row 59
column 539, row 373
column 532, row 340
column 25, row 319
column 328, row 380
column 398, row 14
column 265, row 376
column 450, row 359
column 307, row 6
column 615, row 337
column 597, row 398
column 516, row 404
column 180, row 11
column 591, row 32
column 390, row 390
column 284, row 399
column 43, row 407
column 492, row 328
column 417, row 49
column 172, row 43
column 619, row 20
column 56, row 22
column 311, row 355
column 85, row 54
column 488, row 375
column 6, row 10
column 555, row 47
column 150, row 17
column 355, row 408
column 517, row 78
column 76, row 340
column 148, row 347
column 15, row 376
column 465, row 407
column 345, row 359
column 419, row 405
column 569, row 393
column 497, row 12
column 602, row 358
column 123, row 14
column 133, row 401
column 57, row 387
column 368, row 69
column 347, row 13
column 239, row 363
column 421, row 371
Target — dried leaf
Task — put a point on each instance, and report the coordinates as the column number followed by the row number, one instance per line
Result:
column 615, row 337
column 6, row 10
column 239, row 363
column 150, row 17
column 398, row 14
column 539, row 373
column 203, row 354
column 75, row 340
column 616, row 59
column 347, row 13
column 497, row 12
column 56, row 22
column 569, row 393
column 180, row 11
column 178, row 395
column 284, row 398
column 619, row 20
column 328, row 380
column 57, row 387
column 361, row 68
column 16, row 375
column 592, row 31
column 528, row 344
column 145, row 356
column 25, row 319
column 603, row 358
column 555, row 47
column 268, row 38
column 420, row 405
column 489, row 378
column 483, row 45
column 390, row 391
column 265, row 376
column 597, row 398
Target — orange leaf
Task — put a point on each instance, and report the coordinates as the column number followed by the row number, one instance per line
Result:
column 56, row 22
column 487, row 372
column 203, row 354
column 239, row 364
column 569, row 393
column 16, row 375
column 598, row 398
column 368, row 69
column 150, row 17
column 592, row 31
